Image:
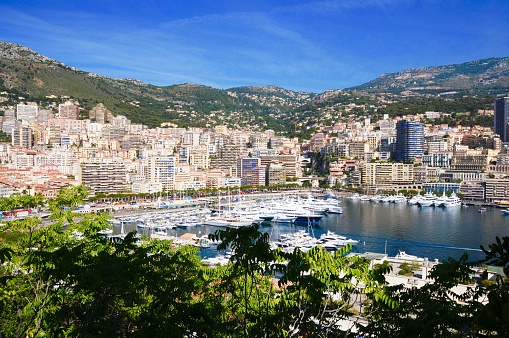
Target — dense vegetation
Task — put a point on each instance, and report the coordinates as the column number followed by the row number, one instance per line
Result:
column 64, row 278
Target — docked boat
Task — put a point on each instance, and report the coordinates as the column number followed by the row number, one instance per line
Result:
column 355, row 196
column 452, row 201
column 331, row 239
column 406, row 257
column 296, row 240
column 440, row 201
column 399, row 198
column 428, row 200
column 415, row 199
column 505, row 211
column 336, row 209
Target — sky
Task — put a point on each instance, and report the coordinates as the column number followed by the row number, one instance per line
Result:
column 300, row 45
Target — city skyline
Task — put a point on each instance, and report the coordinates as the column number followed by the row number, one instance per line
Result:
column 298, row 45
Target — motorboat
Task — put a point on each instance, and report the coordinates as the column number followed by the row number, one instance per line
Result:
column 332, row 239
column 336, row 210
column 415, row 199
column 406, row 257
column 440, row 201
column 452, row 201
column 505, row 211
column 428, row 200
column 399, row 198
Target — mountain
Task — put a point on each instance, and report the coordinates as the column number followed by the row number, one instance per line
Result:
column 481, row 77
column 25, row 73
column 29, row 74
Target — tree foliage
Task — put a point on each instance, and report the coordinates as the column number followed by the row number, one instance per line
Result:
column 64, row 277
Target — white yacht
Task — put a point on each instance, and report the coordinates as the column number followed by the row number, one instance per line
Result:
column 415, row 199
column 406, row 257
column 439, row 201
column 452, row 201
column 399, row 198
column 428, row 200
column 332, row 239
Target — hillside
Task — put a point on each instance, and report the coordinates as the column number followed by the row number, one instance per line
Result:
column 25, row 73
column 481, row 77
column 34, row 76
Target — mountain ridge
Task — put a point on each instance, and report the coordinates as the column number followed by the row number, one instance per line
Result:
column 34, row 76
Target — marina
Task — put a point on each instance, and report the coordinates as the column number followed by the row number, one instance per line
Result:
column 431, row 232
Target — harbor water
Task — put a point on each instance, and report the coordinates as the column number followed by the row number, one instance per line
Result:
column 432, row 232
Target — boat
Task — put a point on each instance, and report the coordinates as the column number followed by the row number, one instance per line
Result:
column 428, row 200
column 399, row 198
column 415, row 199
column 440, row 201
column 336, row 210
column 482, row 209
column 406, row 257
column 331, row 239
column 505, row 211
column 301, row 240
column 452, row 201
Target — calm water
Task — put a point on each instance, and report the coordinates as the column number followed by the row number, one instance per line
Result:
column 424, row 232
column 436, row 233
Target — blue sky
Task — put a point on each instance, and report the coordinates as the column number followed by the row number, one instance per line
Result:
column 299, row 45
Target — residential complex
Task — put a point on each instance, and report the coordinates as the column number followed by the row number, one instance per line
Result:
column 53, row 147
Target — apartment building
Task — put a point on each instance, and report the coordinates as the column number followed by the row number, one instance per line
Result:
column 290, row 162
column 251, row 171
column 107, row 175
column 68, row 110
column 275, row 174
column 26, row 112
column 496, row 190
column 22, row 136
column 373, row 174
column 199, row 157
column 159, row 169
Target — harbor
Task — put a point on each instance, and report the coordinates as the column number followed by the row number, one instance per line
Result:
column 431, row 232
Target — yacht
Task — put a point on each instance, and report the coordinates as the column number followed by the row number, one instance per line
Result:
column 336, row 209
column 452, row 201
column 439, row 201
column 331, row 239
column 428, row 200
column 399, row 198
column 355, row 196
column 415, row 199
column 406, row 257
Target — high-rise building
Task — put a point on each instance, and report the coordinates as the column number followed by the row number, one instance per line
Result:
column 251, row 171
column 501, row 117
column 69, row 110
column 22, row 136
column 26, row 112
column 107, row 175
column 409, row 140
